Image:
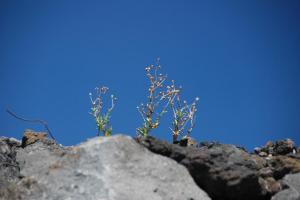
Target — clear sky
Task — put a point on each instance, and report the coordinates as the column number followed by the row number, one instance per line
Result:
column 242, row 58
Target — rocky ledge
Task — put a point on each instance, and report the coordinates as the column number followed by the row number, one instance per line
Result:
column 103, row 168
column 123, row 168
column 228, row 172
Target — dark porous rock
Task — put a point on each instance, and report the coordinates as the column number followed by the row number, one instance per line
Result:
column 294, row 155
column 156, row 146
column 282, row 165
column 292, row 191
column 208, row 144
column 225, row 172
column 281, row 147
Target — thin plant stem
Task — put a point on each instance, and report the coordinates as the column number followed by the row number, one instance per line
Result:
column 45, row 124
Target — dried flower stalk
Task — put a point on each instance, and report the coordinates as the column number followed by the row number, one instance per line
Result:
column 157, row 100
column 184, row 115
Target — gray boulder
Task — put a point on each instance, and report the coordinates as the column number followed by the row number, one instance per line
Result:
column 114, row 168
column 9, row 169
column 292, row 182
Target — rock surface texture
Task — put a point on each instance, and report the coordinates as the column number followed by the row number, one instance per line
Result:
column 292, row 191
column 9, row 168
column 114, row 168
column 122, row 168
column 227, row 172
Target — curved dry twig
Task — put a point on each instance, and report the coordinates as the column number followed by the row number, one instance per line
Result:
column 33, row 121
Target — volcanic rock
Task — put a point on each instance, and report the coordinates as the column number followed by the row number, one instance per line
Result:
column 292, row 191
column 118, row 167
column 281, row 147
column 225, row 172
column 282, row 165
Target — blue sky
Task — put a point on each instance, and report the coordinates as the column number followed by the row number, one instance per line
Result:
column 242, row 58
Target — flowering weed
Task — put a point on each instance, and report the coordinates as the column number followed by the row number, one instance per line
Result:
column 157, row 103
column 102, row 118
column 160, row 99
column 184, row 115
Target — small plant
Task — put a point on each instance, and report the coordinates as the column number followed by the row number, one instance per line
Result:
column 184, row 115
column 161, row 98
column 102, row 118
column 157, row 100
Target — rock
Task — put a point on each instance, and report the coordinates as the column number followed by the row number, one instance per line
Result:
column 266, row 172
column 292, row 182
column 30, row 137
column 282, row 165
column 9, row 168
column 295, row 156
column 18, row 190
column 259, row 161
column 110, row 168
column 187, row 141
column 263, row 154
column 271, row 185
column 119, row 168
column 269, row 144
column 257, row 150
column 225, row 172
column 208, row 144
column 268, row 149
column 283, row 147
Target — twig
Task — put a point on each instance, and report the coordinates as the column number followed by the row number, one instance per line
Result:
column 33, row 121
